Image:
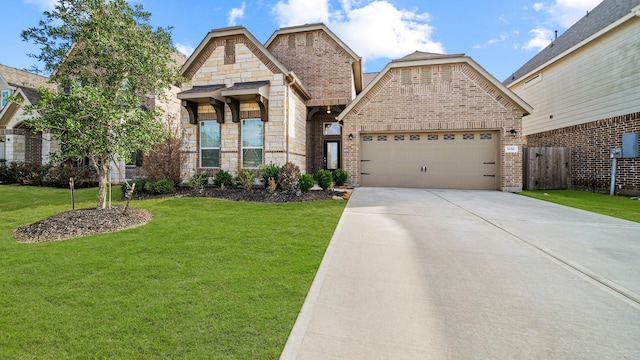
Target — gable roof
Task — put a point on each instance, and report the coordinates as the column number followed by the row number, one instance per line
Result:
column 16, row 77
column 357, row 60
column 600, row 20
column 207, row 45
column 427, row 59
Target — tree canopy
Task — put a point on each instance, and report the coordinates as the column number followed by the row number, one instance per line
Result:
column 107, row 60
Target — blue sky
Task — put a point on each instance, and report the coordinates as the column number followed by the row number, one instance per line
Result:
column 501, row 35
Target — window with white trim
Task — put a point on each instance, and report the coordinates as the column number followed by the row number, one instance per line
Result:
column 252, row 135
column 209, row 144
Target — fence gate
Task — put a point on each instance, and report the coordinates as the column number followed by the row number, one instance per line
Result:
column 547, row 168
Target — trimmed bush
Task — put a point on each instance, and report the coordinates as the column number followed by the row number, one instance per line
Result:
column 325, row 178
column 270, row 171
column 340, row 176
column 305, row 182
column 223, row 178
column 198, row 180
column 288, row 178
column 245, row 179
column 163, row 186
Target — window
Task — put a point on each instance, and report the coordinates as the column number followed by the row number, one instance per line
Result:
column 252, row 130
column 332, row 128
column 209, row 144
column 136, row 159
column 3, row 98
column 292, row 41
column 533, row 80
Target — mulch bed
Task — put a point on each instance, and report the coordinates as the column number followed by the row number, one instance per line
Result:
column 83, row 222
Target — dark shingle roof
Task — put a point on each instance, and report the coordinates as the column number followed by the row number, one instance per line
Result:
column 602, row 16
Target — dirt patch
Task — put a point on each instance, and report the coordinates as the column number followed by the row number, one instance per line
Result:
column 82, row 222
column 254, row 195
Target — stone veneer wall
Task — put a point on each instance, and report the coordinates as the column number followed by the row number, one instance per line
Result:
column 590, row 160
column 466, row 101
column 287, row 112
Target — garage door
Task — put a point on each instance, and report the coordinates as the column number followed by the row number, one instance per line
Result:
column 455, row 160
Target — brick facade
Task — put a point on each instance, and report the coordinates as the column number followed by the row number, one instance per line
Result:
column 450, row 97
column 590, row 144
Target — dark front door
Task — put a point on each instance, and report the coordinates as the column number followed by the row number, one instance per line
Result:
column 331, row 154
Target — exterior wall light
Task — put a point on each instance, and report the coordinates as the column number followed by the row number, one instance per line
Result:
column 350, row 136
column 328, row 109
column 513, row 132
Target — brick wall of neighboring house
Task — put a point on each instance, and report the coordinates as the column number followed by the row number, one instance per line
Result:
column 590, row 160
column 321, row 64
column 467, row 101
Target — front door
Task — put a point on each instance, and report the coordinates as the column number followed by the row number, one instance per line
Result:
column 331, row 155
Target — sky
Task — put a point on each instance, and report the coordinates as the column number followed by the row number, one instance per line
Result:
column 500, row 35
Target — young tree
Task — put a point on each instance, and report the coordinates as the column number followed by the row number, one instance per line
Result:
column 108, row 58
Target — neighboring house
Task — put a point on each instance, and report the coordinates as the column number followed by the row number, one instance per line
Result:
column 427, row 120
column 17, row 141
column 585, row 89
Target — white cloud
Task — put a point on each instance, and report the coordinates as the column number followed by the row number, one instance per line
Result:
column 538, row 6
column 236, row 13
column 566, row 12
column 300, row 12
column 185, row 49
column 541, row 38
column 373, row 29
column 47, row 5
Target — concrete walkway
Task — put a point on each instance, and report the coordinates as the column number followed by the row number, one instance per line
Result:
column 439, row 274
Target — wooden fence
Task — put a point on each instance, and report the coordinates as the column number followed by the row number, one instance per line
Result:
column 547, row 168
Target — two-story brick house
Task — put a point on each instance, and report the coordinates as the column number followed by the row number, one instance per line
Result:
column 421, row 122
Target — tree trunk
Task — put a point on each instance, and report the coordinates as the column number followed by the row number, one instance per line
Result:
column 103, row 173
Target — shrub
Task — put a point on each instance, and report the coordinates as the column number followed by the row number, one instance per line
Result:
column 35, row 174
column 165, row 160
column 305, row 182
column 245, row 178
column 163, row 186
column 223, row 178
column 198, row 180
column 288, row 177
column 269, row 171
column 325, row 178
column 340, row 176
column 83, row 176
column 139, row 188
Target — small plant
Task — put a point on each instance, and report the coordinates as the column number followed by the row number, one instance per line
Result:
column 325, row 178
column 305, row 182
column 288, row 178
column 223, row 178
column 163, row 186
column 272, row 185
column 137, row 189
column 245, row 178
column 340, row 176
column 269, row 171
column 198, row 180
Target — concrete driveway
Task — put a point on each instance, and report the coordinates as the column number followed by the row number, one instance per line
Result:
column 443, row 274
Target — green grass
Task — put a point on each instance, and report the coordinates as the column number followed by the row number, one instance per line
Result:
column 205, row 279
column 617, row 206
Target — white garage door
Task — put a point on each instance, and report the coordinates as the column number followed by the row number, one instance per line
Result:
column 453, row 160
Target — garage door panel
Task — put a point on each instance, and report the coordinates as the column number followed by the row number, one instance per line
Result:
column 456, row 160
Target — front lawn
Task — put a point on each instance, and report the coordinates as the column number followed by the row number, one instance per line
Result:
column 617, row 206
column 205, row 279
